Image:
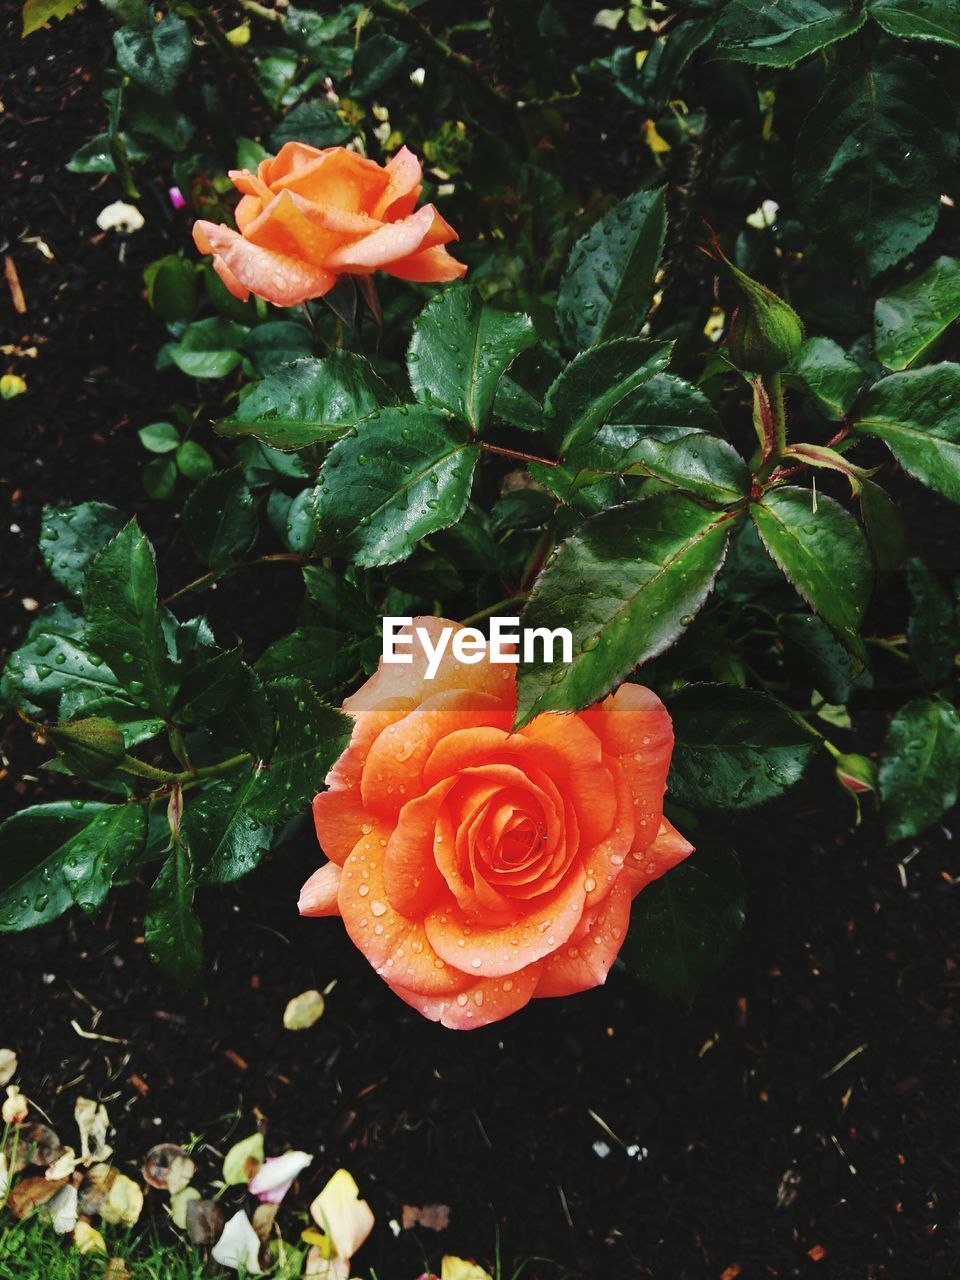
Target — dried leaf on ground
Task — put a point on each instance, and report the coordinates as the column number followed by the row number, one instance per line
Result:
column 205, row 1220
column 93, row 1123
column 303, row 1011
column 168, row 1167
column 435, row 1217
column 29, row 1193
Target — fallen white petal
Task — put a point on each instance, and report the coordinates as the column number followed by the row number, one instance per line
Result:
column 238, row 1246
column 62, row 1210
column 121, row 217
column 8, row 1066
column 93, row 1123
column 275, row 1176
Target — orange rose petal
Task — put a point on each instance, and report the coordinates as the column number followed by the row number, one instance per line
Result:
column 589, row 955
column 230, row 280
column 318, row 897
column 346, row 771
column 394, row 765
column 396, row 946
column 279, row 279
column 579, row 750
column 411, row 877
column 338, row 178
column 248, row 209
column 403, row 187
column 293, row 157
column 405, row 684
column 495, row 951
column 479, row 1004
column 607, row 860
column 634, row 725
column 430, row 266
column 339, row 818
column 669, row 848
column 392, row 241
column 250, row 184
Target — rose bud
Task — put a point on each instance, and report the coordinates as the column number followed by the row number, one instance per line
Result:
column 856, row 774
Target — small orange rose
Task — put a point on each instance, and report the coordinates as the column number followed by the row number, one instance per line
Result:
column 308, row 216
column 474, row 867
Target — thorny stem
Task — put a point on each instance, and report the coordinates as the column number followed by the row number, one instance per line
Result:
column 140, row 769
column 516, row 453
column 216, row 574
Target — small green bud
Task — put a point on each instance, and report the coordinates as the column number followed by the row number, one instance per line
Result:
column 856, row 774
column 765, row 332
column 90, row 748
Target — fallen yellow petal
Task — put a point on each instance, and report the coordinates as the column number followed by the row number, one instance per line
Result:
column 88, row 1239
column 303, row 1011
column 460, row 1269
column 340, row 1212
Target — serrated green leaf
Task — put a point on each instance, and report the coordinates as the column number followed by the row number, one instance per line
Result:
column 734, row 748
column 833, row 378
column 625, row 584
column 65, row 854
column 325, row 657
column 812, row 650
column 96, row 156
column 605, row 290
column 225, row 841
column 209, row 348
column 209, row 687
column 47, row 666
column 157, row 56
column 310, row 736
column 459, row 351
column 937, row 20
column 909, row 322
column 403, row 474
column 160, row 478
column 591, row 389
column 247, row 722
column 91, row 748
column 917, row 415
column 519, row 398
column 932, row 626
column 780, row 33
column 171, row 287
column 684, row 924
column 37, row 13
column 823, row 553
column 309, row 402
column 173, row 933
column 859, row 196
column 71, row 537
column 123, row 618
column 884, row 527
column 691, row 460
column 277, row 343
column 220, row 520
column 919, row 767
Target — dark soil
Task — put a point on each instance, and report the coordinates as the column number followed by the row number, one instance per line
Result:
column 800, row 1119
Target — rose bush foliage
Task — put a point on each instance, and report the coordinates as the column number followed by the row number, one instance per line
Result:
column 703, row 448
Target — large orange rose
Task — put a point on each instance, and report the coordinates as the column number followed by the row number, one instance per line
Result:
column 475, row 867
column 308, row 216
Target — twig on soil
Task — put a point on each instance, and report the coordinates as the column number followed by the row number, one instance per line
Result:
column 13, row 284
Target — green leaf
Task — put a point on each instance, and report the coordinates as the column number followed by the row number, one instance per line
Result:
column 325, row 657
column 37, row 13
column 459, row 351
column 812, row 649
column 173, row 933
column 156, row 57
column 919, row 767
column 56, row 856
column 683, row 925
column 226, row 842
column 625, row 584
column 919, row 19
column 831, row 377
column 219, row 519
column 160, row 477
column 779, row 33
column 310, row 736
column 159, row 437
column 90, row 748
column 247, row 722
column 404, row 473
column 96, row 156
column 48, row 665
column 309, row 402
column 70, row 538
column 932, row 627
column 734, row 748
column 378, row 58
column 519, row 398
column 883, row 525
column 605, row 290
column 909, row 322
column 823, row 553
column 691, row 460
column 859, row 197
column 210, row 686
column 209, row 348
column 591, row 389
column 171, row 287
column 317, row 123
column 123, row 619
column 917, row 415
column 277, row 343
column 193, row 460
